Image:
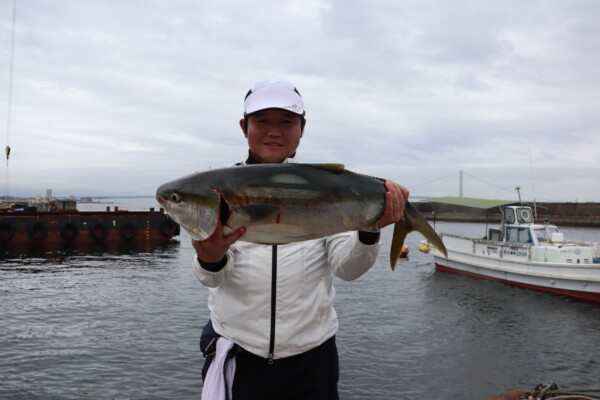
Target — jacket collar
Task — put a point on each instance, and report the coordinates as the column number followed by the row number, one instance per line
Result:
column 251, row 160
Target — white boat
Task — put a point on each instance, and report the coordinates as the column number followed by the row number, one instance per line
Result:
column 525, row 254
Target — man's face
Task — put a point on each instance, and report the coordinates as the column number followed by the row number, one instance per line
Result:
column 273, row 135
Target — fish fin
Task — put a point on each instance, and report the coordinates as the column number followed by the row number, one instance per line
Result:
column 341, row 168
column 258, row 212
column 371, row 228
column 401, row 229
column 331, row 167
column 413, row 221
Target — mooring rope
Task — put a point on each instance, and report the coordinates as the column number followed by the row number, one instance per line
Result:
column 551, row 391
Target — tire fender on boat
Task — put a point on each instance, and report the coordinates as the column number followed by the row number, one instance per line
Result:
column 38, row 231
column 6, row 231
column 99, row 231
column 168, row 227
column 128, row 231
column 69, row 231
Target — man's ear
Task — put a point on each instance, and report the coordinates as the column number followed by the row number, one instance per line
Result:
column 302, row 125
column 243, row 126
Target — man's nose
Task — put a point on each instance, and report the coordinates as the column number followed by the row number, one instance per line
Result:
column 273, row 130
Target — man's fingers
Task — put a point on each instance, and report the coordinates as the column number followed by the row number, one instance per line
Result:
column 395, row 201
column 235, row 236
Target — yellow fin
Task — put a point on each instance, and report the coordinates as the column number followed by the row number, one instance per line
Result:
column 413, row 221
column 331, row 167
column 341, row 168
column 401, row 230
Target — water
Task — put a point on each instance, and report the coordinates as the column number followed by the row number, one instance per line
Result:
column 124, row 324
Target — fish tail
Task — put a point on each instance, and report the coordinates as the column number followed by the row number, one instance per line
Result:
column 413, row 221
column 401, row 230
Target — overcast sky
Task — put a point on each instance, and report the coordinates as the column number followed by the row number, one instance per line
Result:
column 115, row 97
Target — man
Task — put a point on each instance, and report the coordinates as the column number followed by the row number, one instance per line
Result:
column 273, row 305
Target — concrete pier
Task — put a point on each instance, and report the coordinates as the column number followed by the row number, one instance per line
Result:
column 561, row 214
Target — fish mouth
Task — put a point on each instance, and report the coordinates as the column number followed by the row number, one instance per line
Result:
column 162, row 202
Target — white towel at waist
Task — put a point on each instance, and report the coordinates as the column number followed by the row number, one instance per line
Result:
column 219, row 378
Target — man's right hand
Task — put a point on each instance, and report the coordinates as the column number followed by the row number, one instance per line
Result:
column 213, row 248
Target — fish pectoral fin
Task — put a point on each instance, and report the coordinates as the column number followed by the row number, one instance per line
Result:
column 258, row 212
column 413, row 221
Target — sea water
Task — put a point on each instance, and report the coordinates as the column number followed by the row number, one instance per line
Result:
column 124, row 324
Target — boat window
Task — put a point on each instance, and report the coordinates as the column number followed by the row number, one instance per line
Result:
column 518, row 235
column 542, row 235
column 494, row 234
column 509, row 215
column 524, row 215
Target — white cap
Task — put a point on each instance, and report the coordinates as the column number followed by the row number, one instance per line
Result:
column 273, row 93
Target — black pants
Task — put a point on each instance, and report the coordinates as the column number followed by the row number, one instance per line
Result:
column 308, row 376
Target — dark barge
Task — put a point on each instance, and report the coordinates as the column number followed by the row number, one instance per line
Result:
column 65, row 224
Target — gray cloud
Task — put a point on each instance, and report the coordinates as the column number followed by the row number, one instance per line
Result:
column 114, row 97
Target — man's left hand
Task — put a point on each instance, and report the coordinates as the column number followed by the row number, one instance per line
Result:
column 395, row 200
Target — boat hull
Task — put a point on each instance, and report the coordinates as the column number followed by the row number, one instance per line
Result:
column 582, row 295
column 56, row 227
column 509, row 263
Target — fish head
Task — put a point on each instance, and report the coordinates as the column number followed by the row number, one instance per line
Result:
column 195, row 207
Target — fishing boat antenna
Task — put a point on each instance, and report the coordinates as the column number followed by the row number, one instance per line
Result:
column 531, row 177
column 10, row 87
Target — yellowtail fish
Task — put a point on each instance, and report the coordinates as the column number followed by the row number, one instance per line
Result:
column 284, row 203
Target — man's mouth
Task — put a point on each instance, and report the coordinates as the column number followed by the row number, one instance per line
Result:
column 273, row 144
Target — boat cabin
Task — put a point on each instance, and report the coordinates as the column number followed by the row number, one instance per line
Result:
column 518, row 226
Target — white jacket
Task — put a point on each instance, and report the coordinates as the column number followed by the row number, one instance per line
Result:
column 241, row 294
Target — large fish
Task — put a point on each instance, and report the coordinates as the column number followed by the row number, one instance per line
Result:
column 284, row 203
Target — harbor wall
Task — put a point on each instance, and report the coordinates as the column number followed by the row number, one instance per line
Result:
column 561, row 214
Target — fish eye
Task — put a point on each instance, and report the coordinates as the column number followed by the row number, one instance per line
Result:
column 175, row 198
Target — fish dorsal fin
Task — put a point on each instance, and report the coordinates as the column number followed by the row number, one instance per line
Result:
column 341, row 168
column 331, row 167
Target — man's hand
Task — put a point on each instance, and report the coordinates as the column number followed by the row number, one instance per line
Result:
column 213, row 248
column 395, row 200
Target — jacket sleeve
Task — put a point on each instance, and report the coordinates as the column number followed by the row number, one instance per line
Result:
column 213, row 279
column 348, row 257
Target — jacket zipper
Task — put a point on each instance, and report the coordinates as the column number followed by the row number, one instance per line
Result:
column 273, row 304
